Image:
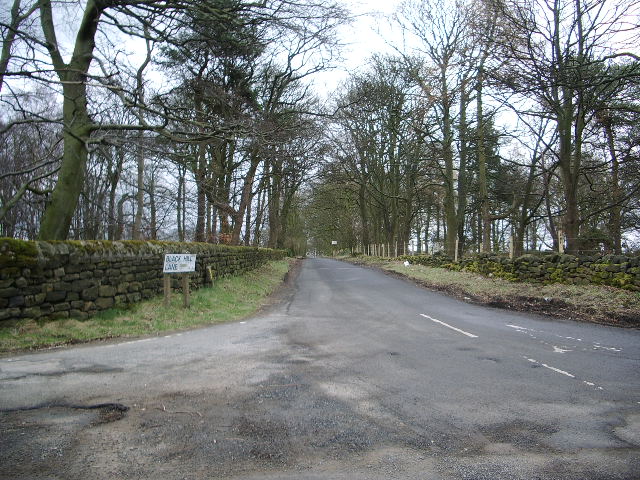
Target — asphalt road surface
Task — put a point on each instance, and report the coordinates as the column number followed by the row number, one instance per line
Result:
column 352, row 375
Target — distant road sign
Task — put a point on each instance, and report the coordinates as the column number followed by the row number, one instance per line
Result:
column 179, row 263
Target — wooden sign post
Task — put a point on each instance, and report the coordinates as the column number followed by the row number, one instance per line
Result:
column 167, row 290
column 185, row 290
column 182, row 263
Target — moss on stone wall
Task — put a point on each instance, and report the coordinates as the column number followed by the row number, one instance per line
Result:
column 614, row 270
column 17, row 253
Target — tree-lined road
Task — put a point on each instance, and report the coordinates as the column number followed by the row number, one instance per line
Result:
column 354, row 375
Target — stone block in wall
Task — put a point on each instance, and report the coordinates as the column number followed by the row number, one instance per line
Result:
column 90, row 293
column 17, row 301
column 33, row 289
column 8, row 313
column 61, row 306
column 103, row 303
column 63, row 286
column 32, row 312
column 9, row 292
column 59, row 315
column 35, row 299
column 134, row 297
column 46, row 308
column 80, row 285
column 106, row 291
column 79, row 314
column 56, row 296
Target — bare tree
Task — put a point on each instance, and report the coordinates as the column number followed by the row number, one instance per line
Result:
column 565, row 55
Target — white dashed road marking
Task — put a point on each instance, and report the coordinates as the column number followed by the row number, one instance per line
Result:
column 471, row 335
column 562, row 372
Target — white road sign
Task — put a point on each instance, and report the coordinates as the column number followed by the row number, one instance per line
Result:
column 179, row 263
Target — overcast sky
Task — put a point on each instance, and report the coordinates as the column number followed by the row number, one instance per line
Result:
column 363, row 38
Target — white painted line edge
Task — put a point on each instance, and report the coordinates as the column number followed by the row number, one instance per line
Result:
column 558, row 370
column 471, row 335
column 533, row 360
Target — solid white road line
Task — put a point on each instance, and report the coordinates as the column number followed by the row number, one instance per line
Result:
column 471, row 335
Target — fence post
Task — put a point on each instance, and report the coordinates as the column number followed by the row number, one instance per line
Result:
column 560, row 241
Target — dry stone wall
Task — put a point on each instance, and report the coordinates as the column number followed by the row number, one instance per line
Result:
column 614, row 270
column 46, row 280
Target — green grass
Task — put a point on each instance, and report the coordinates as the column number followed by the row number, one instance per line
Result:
column 597, row 303
column 229, row 299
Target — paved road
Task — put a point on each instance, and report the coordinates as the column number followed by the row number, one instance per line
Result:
column 354, row 375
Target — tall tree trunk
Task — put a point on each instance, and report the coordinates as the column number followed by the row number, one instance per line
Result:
column 153, row 227
column 115, row 178
column 462, row 170
column 57, row 216
column 524, row 217
column 137, row 222
column 568, row 169
column 615, row 213
column 245, row 197
column 364, row 215
column 179, row 202
column 260, row 207
column 12, row 30
column 201, row 186
column 247, row 225
column 273, row 203
column 449, row 193
column 482, row 170
column 119, row 231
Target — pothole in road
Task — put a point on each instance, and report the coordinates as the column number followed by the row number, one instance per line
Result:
column 37, row 440
column 490, row 359
column 522, row 434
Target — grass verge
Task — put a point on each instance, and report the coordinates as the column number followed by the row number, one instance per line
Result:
column 229, row 299
column 594, row 303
